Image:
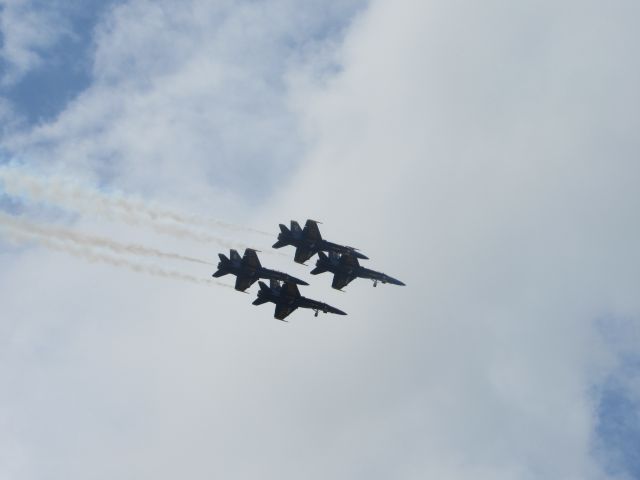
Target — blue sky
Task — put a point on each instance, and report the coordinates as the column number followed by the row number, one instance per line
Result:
column 618, row 427
column 501, row 136
column 64, row 70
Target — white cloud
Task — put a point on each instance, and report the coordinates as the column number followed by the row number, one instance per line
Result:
column 200, row 82
column 483, row 154
column 28, row 29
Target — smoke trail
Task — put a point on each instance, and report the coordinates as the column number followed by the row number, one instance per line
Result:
column 92, row 240
column 69, row 194
column 91, row 256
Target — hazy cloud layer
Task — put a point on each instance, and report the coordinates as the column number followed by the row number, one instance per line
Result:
column 483, row 154
column 28, row 28
column 204, row 83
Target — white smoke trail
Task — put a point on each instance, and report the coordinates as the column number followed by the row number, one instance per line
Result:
column 67, row 193
column 91, row 256
column 91, row 240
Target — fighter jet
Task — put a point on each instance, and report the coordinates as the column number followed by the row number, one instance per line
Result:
column 346, row 268
column 287, row 298
column 308, row 242
column 248, row 270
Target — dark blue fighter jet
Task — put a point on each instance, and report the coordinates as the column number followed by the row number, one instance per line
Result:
column 287, row 298
column 248, row 270
column 308, row 242
column 346, row 268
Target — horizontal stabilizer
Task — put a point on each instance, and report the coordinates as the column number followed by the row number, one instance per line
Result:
column 279, row 244
column 259, row 301
column 318, row 270
column 220, row 273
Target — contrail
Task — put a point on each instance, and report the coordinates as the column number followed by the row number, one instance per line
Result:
column 92, row 240
column 69, row 194
column 91, row 256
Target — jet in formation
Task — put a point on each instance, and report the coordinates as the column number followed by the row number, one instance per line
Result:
column 287, row 298
column 346, row 268
column 248, row 270
column 341, row 260
column 308, row 242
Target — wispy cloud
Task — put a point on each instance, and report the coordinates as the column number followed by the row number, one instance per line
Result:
column 28, row 29
column 202, row 82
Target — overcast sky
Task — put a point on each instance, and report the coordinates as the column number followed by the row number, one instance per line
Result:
column 485, row 153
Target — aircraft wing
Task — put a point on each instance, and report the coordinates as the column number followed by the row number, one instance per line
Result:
column 341, row 280
column 283, row 311
column 243, row 282
column 250, row 258
column 349, row 260
column 290, row 289
column 311, row 230
column 303, row 254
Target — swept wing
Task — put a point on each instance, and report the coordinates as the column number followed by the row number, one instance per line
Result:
column 283, row 311
column 303, row 254
column 244, row 282
column 341, row 280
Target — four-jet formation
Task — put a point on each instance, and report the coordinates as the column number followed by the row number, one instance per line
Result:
column 287, row 298
column 341, row 260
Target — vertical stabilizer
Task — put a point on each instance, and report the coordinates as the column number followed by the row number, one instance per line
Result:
column 295, row 229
